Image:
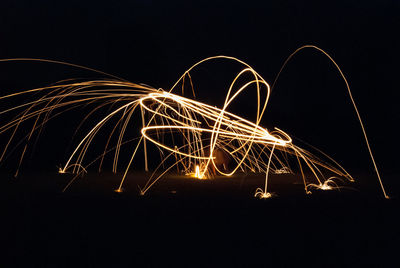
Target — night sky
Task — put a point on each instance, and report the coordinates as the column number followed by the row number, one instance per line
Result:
column 154, row 42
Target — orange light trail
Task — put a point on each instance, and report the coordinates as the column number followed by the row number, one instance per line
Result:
column 184, row 129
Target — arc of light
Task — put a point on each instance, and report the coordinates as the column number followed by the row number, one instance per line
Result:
column 352, row 101
column 217, row 125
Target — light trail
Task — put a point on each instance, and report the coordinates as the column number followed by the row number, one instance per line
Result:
column 195, row 134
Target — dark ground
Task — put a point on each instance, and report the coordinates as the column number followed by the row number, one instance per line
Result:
column 195, row 223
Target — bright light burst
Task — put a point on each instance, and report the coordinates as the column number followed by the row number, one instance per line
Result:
column 191, row 134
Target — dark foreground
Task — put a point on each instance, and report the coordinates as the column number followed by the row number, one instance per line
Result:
column 182, row 222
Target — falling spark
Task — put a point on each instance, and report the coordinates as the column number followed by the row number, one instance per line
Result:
column 259, row 192
column 329, row 184
column 185, row 130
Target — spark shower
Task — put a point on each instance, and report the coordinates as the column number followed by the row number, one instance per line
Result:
column 194, row 137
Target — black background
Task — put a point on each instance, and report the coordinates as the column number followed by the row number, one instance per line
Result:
column 154, row 42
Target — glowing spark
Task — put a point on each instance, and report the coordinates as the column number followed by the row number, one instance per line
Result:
column 284, row 170
column 329, row 184
column 261, row 194
column 197, row 173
